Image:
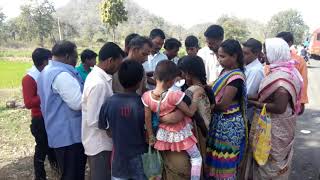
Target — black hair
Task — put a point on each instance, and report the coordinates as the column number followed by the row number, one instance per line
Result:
column 180, row 60
column 214, row 32
column 110, row 50
column 285, row 35
column 129, row 38
column 157, row 33
column 63, row 48
column 172, row 43
column 40, row 55
column 194, row 66
column 254, row 45
column 191, row 41
column 166, row 70
column 87, row 54
column 139, row 42
column 130, row 73
column 233, row 47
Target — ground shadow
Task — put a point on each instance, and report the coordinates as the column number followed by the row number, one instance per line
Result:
column 19, row 169
column 306, row 164
column 22, row 169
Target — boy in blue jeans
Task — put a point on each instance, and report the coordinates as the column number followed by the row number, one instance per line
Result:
column 122, row 115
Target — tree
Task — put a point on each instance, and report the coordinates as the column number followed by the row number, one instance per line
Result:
column 289, row 20
column 2, row 17
column 2, row 25
column 234, row 28
column 36, row 21
column 67, row 31
column 112, row 13
column 12, row 28
column 44, row 20
column 257, row 29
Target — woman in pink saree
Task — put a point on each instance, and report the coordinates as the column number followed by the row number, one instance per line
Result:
column 280, row 91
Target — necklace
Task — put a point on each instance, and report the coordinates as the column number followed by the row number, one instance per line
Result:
column 158, row 95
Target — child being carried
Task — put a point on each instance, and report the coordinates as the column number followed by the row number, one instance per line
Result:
column 174, row 137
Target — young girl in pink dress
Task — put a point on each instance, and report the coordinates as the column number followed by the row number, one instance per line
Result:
column 173, row 137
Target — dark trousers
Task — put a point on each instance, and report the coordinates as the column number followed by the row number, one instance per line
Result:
column 128, row 169
column 100, row 166
column 71, row 162
column 41, row 149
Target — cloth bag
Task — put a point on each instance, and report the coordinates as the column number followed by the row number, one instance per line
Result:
column 261, row 144
column 152, row 164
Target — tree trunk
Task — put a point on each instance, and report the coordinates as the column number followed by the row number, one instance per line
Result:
column 53, row 39
column 41, row 40
column 114, row 34
column 13, row 35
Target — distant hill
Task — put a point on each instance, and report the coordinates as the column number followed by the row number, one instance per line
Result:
column 84, row 17
column 81, row 21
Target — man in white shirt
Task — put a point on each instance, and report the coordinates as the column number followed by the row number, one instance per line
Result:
column 97, row 88
column 214, row 37
column 157, row 37
column 253, row 70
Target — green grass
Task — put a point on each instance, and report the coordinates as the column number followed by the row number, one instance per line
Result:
column 15, row 53
column 17, row 143
column 25, row 53
column 12, row 72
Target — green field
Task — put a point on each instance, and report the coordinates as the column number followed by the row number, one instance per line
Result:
column 11, row 73
column 15, row 53
column 15, row 62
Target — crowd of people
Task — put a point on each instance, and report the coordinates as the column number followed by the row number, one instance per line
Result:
column 196, row 110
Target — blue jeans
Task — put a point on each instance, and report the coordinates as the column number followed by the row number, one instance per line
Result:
column 125, row 169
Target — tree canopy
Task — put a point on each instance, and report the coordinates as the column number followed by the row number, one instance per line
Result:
column 234, row 28
column 2, row 25
column 35, row 21
column 112, row 13
column 289, row 20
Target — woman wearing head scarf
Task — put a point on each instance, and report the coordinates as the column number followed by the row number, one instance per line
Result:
column 280, row 91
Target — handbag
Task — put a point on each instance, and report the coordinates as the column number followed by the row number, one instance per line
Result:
column 261, row 144
column 152, row 164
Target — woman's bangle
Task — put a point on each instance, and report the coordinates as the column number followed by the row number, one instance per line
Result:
column 152, row 138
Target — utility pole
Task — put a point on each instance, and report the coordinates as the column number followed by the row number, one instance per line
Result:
column 60, row 36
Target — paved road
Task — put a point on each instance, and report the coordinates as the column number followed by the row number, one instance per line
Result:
column 306, row 161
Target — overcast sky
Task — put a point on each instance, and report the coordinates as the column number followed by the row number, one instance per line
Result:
column 190, row 12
